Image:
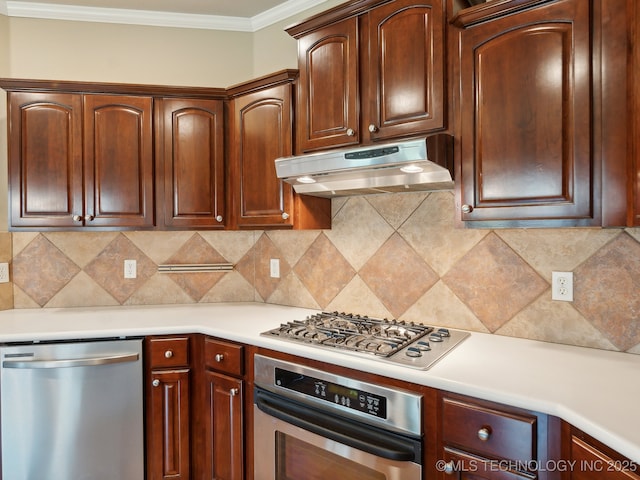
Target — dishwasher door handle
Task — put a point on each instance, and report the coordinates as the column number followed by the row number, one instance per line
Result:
column 72, row 362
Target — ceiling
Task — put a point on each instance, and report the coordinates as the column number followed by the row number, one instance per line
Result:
column 240, row 15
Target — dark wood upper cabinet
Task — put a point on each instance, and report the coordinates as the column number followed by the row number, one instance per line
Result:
column 118, row 161
column 526, row 110
column 403, row 83
column 375, row 74
column 261, row 130
column 190, row 163
column 328, row 106
column 45, row 159
column 80, row 161
column 542, row 119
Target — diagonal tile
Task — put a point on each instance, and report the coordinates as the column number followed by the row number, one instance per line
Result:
column 293, row 243
column 606, row 290
column 558, row 322
column 107, row 268
column 494, row 282
column 398, row 275
column 430, row 231
column 231, row 288
column 323, row 270
column 81, row 247
column 396, row 208
column 358, row 298
column 556, row 249
column 196, row 250
column 159, row 246
column 159, row 290
column 232, row 245
column 81, row 291
column 357, row 231
column 41, row 270
column 439, row 306
column 292, row 292
column 264, row 251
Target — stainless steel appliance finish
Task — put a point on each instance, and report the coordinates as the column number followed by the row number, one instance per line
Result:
column 404, row 166
column 72, row 411
column 404, row 343
column 311, row 420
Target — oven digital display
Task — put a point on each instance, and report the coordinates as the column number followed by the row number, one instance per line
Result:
column 354, row 399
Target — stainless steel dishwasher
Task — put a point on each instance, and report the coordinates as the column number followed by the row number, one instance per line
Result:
column 72, row 411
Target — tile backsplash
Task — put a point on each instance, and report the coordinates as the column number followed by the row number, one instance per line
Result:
column 396, row 255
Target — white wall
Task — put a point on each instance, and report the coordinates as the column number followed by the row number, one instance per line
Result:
column 274, row 49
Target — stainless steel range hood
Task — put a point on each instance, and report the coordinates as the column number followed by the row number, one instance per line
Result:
column 421, row 164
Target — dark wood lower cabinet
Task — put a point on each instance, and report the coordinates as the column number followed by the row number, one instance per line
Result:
column 168, row 429
column 223, row 457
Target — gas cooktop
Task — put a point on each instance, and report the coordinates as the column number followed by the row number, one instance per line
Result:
column 396, row 341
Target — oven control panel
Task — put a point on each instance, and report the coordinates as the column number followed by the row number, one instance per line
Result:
column 354, row 399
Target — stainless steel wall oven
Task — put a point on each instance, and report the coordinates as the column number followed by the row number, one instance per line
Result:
column 310, row 425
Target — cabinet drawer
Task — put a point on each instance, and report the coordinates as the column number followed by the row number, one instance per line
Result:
column 169, row 352
column 223, row 356
column 489, row 432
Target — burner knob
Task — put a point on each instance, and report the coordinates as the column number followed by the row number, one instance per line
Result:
column 422, row 345
column 444, row 332
column 413, row 352
column 435, row 337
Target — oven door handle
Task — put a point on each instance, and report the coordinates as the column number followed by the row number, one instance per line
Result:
column 356, row 435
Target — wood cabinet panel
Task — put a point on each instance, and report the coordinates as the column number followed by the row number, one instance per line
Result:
column 224, row 454
column 118, row 161
column 328, row 106
column 168, row 352
column 224, row 356
column 168, row 455
column 403, row 86
column 488, row 431
column 45, row 159
column 526, row 127
column 463, row 466
column 190, row 160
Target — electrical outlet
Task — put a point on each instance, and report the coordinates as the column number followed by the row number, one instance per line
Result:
column 130, row 269
column 274, row 267
column 4, row 272
column 562, row 286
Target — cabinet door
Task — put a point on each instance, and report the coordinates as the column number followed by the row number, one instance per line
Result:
column 224, row 455
column 590, row 463
column 261, row 132
column 328, row 106
column 526, row 116
column 464, row 466
column 168, row 426
column 190, row 162
column 118, row 161
column 45, row 159
column 403, row 86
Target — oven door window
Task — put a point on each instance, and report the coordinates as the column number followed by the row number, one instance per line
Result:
column 297, row 459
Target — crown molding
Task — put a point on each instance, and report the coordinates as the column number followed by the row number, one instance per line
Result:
column 153, row 18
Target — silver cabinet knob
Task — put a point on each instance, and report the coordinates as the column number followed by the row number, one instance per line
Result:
column 77, row 218
column 467, row 209
column 350, row 132
column 88, row 218
column 285, row 215
column 233, row 392
column 168, row 354
column 448, row 468
column 373, row 128
column 156, row 383
column 219, row 357
column 484, row 433
column 219, row 219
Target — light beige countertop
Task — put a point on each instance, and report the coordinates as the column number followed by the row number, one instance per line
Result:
column 595, row 390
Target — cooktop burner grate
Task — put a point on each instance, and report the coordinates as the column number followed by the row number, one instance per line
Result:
column 422, row 344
